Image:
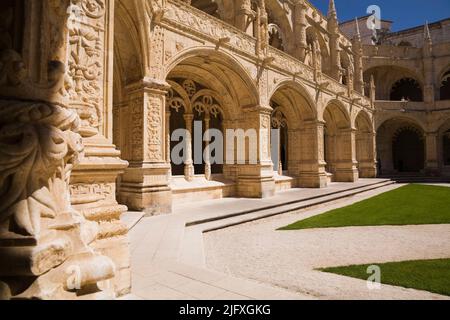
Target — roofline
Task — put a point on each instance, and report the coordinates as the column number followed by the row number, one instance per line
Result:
column 363, row 17
column 419, row 27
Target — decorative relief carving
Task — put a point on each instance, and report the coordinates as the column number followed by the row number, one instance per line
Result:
column 86, row 56
column 137, row 132
column 189, row 19
column 105, row 190
column 154, row 125
column 157, row 52
column 41, row 235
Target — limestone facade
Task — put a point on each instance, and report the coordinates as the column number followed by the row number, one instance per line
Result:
column 411, row 70
column 92, row 91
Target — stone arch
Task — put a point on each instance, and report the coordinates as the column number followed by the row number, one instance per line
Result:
column 277, row 17
column 128, row 68
column 386, row 76
column 339, row 143
column 300, row 104
column 215, row 89
column 406, row 88
column 127, row 61
column 232, row 70
column 292, row 107
column 401, row 146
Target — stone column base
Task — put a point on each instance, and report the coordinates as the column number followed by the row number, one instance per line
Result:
column 367, row 170
column 93, row 194
column 313, row 180
column 342, row 174
column 145, row 187
column 256, row 181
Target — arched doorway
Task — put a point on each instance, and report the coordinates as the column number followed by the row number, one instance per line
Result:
column 401, row 147
column 291, row 109
column 408, row 150
column 208, row 92
column 339, row 152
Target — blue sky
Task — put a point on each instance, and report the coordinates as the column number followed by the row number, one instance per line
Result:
column 404, row 13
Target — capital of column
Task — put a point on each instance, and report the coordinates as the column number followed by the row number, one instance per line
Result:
column 148, row 84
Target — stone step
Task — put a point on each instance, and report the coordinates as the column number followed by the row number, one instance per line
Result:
column 280, row 205
column 230, row 221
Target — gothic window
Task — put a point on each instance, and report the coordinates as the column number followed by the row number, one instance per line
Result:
column 445, row 86
column 408, row 89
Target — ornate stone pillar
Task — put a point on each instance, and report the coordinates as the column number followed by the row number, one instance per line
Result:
column 345, row 169
column 145, row 184
column 300, row 24
column 93, row 183
column 431, row 154
column 245, row 16
column 55, row 239
column 335, row 50
column 367, row 163
column 206, row 152
column 311, row 167
column 255, row 172
column 168, row 140
column 188, row 162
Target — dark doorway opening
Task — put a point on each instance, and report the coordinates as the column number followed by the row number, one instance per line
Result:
column 408, row 151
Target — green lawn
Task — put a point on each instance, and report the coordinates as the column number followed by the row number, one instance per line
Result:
column 413, row 204
column 428, row 275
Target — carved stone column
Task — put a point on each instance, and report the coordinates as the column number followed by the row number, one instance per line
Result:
column 255, row 172
column 52, row 245
column 300, row 24
column 206, row 152
column 93, row 183
column 311, row 167
column 245, row 17
column 188, row 162
column 345, row 169
column 367, row 164
column 145, row 184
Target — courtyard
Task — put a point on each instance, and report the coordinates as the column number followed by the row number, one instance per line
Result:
column 184, row 257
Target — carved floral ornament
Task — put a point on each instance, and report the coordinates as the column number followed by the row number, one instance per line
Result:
column 202, row 103
column 39, row 146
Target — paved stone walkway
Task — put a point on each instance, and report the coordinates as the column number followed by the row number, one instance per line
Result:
column 168, row 258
